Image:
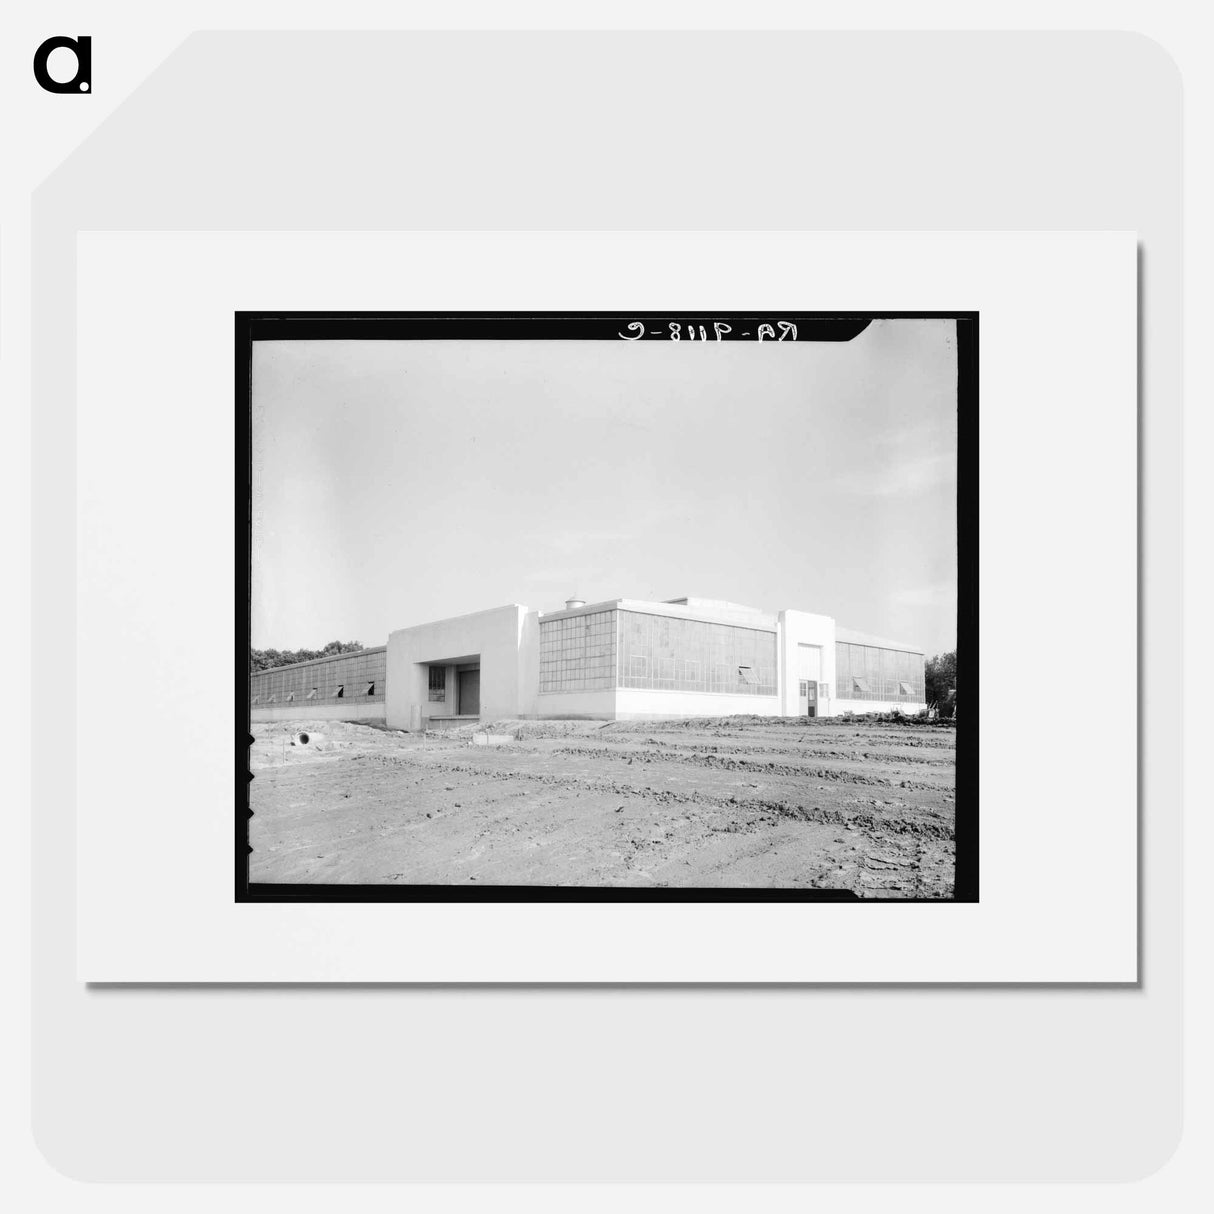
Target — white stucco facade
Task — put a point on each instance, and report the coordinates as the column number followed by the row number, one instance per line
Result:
column 515, row 679
column 499, row 643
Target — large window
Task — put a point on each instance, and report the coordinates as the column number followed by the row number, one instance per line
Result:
column 577, row 653
column 868, row 672
column 349, row 676
column 438, row 684
column 666, row 653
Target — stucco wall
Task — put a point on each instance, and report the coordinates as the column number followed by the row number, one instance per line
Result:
column 906, row 707
column 529, row 664
column 594, row 705
column 633, row 704
column 492, row 636
column 803, row 628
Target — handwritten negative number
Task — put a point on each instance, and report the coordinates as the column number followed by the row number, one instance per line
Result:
column 636, row 330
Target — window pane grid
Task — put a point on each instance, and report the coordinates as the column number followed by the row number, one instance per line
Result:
column 664, row 653
column 578, row 653
column 869, row 672
column 360, row 675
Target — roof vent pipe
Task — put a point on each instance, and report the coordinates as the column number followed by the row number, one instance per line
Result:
column 570, row 604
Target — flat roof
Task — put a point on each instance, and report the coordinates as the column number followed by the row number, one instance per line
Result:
column 849, row 636
column 715, row 611
column 708, row 610
column 467, row 615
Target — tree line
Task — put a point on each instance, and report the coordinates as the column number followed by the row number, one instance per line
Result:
column 940, row 682
column 267, row 659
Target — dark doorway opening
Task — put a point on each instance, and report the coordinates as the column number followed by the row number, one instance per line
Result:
column 468, row 702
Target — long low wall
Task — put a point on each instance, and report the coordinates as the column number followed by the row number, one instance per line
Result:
column 635, row 704
column 907, row 707
column 309, row 710
column 638, row 705
column 577, row 705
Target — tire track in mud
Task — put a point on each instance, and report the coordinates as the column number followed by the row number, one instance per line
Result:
column 855, row 819
column 672, row 749
column 825, row 729
column 751, row 766
column 873, row 756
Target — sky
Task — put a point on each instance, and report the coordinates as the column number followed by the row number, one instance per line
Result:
column 400, row 482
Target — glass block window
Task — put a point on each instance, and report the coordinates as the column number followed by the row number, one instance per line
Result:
column 438, row 684
column 578, row 652
column 869, row 672
column 666, row 653
column 357, row 676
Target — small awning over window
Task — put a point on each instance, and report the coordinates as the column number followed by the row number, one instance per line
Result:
column 313, row 693
column 340, row 692
column 747, row 675
column 906, row 689
column 369, row 690
column 861, row 685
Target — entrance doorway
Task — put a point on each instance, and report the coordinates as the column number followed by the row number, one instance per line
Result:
column 468, row 701
column 809, row 671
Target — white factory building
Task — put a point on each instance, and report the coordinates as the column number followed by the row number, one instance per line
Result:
column 621, row 659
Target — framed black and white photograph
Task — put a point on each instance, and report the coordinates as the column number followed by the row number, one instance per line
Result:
column 553, row 633
column 606, row 606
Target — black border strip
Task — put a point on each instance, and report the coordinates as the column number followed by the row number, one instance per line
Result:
column 604, row 326
column 965, row 825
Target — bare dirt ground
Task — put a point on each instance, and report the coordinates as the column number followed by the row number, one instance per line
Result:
column 830, row 804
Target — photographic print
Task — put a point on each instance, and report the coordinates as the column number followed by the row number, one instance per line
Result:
column 607, row 606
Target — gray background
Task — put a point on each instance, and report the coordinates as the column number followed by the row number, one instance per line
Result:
column 620, row 131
